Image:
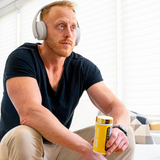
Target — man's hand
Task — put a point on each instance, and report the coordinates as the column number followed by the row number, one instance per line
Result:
column 117, row 142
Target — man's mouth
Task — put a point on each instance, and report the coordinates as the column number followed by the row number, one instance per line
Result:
column 67, row 43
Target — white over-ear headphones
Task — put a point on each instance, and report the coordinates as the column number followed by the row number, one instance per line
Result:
column 40, row 30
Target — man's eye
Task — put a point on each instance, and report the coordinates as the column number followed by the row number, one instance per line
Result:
column 61, row 26
column 73, row 27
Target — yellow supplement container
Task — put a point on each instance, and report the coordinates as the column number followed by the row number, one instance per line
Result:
column 103, row 130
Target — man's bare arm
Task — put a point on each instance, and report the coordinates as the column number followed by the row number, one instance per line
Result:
column 25, row 96
column 110, row 105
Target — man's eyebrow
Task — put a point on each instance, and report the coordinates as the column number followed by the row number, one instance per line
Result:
column 64, row 21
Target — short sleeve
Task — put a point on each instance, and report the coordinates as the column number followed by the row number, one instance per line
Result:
column 91, row 73
column 19, row 63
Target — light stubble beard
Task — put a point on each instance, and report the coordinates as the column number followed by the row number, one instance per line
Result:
column 55, row 46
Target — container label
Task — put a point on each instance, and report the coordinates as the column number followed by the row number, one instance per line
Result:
column 102, row 134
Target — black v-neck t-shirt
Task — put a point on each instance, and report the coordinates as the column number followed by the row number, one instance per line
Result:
column 78, row 75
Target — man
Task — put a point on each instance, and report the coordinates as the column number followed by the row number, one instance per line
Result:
column 42, row 86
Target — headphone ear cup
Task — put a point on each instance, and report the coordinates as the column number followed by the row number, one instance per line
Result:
column 41, row 30
column 78, row 36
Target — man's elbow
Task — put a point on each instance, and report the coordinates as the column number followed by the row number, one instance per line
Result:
column 24, row 117
column 23, row 120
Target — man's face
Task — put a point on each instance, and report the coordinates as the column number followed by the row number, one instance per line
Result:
column 61, row 30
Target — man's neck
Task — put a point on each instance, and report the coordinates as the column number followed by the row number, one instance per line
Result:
column 51, row 61
column 54, row 65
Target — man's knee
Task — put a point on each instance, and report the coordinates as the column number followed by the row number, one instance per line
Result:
column 131, row 139
column 26, row 133
column 23, row 142
column 23, row 135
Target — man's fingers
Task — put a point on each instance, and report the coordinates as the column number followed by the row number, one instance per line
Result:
column 92, row 140
column 118, row 142
column 121, row 149
column 112, row 147
column 112, row 139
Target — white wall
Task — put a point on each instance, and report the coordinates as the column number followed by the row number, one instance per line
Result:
column 85, row 115
column 108, row 28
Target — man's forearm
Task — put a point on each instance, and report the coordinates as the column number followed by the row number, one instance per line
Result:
column 51, row 129
column 109, row 104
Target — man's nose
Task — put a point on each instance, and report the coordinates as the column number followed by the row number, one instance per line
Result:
column 68, row 32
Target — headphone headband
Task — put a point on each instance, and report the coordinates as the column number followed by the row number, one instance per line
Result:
column 39, row 28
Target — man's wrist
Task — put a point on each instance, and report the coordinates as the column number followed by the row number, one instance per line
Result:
column 124, row 130
column 86, row 149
